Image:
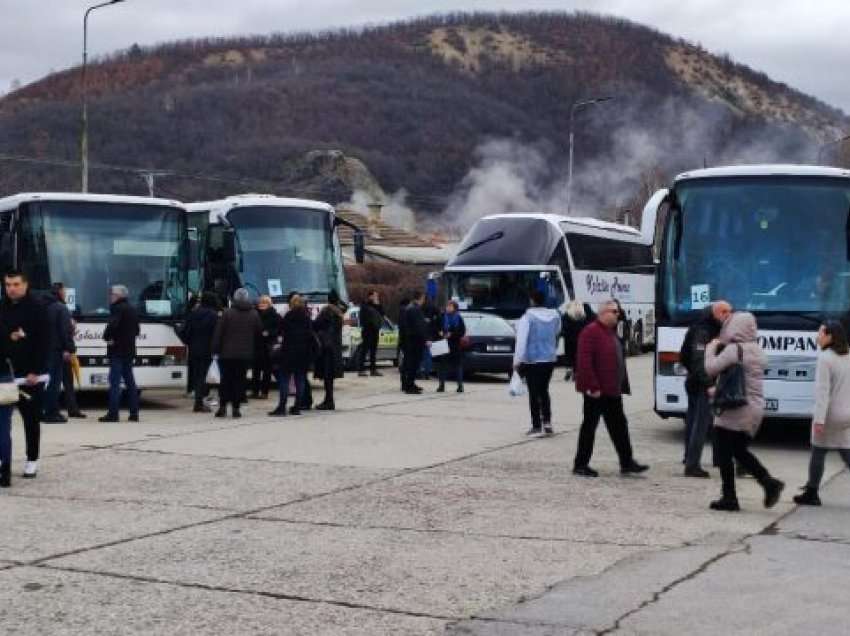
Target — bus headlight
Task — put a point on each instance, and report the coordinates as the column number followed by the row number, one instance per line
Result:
column 668, row 364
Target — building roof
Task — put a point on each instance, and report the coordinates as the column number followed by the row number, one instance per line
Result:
column 388, row 236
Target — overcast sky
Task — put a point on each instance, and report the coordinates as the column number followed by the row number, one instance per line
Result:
column 789, row 40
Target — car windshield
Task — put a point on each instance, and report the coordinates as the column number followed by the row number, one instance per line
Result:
column 485, row 325
column 284, row 249
column 92, row 246
column 768, row 245
column 504, row 293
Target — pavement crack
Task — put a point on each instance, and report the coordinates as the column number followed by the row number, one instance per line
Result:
column 246, row 591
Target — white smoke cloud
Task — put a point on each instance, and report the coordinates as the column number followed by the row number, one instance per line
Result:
column 395, row 212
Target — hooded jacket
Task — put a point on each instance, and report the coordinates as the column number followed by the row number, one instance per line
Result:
column 237, row 332
column 537, row 336
column 740, row 329
column 692, row 353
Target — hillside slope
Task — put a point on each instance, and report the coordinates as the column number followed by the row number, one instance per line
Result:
column 414, row 102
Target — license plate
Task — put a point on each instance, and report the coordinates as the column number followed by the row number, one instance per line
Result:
column 771, row 404
column 99, row 379
column 497, row 348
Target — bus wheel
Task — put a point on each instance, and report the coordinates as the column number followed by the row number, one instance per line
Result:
column 636, row 340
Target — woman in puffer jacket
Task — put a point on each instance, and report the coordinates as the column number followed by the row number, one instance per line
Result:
column 735, row 427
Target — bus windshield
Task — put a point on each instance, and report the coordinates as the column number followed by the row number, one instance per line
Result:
column 287, row 249
column 90, row 246
column 768, row 245
column 504, row 293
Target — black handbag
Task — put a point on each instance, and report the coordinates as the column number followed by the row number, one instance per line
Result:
column 731, row 387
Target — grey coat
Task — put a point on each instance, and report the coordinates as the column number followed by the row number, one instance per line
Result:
column 832, row 401
column 741, row 329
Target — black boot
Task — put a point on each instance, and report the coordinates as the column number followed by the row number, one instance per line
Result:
column 772, row 490
column 5, row 475
column 726, row 504
column 222, row 411
column 326, row 406
column 809, row 497
column 280, row 411
column 441, row 388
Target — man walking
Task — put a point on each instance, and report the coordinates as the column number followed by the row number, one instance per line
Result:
column 692, row 357
column 26, row 323
column 602, row 379
column 415, row 341
column 61, row 347
column 371, row 320
column 120, row 335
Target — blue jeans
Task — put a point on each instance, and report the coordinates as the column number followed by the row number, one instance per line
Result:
column 121, row 368
column 6, row 435
column 283, row 387
column 54, row 388
column 427, row 365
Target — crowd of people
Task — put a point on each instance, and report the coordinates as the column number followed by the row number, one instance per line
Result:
column 719, row 350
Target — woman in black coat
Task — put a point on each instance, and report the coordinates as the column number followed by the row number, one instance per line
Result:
column 295, row 354
column 329, row 364
column 261, row 375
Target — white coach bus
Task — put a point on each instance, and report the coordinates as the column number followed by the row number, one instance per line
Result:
column 773, row 240
column 271, row 246
column 90, row 242
column 506, row 256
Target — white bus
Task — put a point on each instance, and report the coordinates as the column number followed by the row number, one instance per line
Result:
column 271, row 246
column 89, row 242
column 506, row 256
column 772, row 240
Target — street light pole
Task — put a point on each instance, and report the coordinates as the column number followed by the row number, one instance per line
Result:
column 575, row 107
column 84, row 135
column 829, row 144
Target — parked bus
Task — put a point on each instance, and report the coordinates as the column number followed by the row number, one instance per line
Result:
column 772, row 240
column 90, row 242
column 506, row 256
column 271, row 246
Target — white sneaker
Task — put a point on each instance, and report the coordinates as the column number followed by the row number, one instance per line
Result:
column 30, row 470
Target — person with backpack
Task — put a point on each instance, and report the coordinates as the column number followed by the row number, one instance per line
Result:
column 735, row 427
column 831, row 417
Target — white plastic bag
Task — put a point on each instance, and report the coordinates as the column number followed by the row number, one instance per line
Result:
column 517, row 386
column 439, row 348
column 214, row 373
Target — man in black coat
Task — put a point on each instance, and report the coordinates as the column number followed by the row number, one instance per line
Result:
column 197, row 335
column 416, row 338
column 120, row 335
column 371, row 321
column 60, row 350
column 692, row 357
column 25, row 321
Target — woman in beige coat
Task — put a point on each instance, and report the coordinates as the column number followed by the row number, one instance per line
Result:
column 734, row 428
column 831, row 419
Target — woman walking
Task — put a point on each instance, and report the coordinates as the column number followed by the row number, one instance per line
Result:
column 295, row 355
column 329, row 365
column 234, row 342
column 831, row 419
column 735, row 427
column 453, row 329
column 534, row 359
column 261, row 374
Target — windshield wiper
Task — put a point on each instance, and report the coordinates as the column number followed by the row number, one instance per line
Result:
column 495, row 236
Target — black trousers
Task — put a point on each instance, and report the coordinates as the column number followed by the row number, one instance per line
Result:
column 412, row 362
column 261, row 373
column 327, row 361
column 233, row 381
column 369, row 348
column 68, row 386
column 537, row 377
column 31, row 412
column 611, row 410
column 730, row 446
column 198, row 379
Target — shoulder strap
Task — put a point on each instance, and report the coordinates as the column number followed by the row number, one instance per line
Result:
column 740, row 353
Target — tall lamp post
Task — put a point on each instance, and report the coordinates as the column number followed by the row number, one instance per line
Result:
column 575, row 107
column 84, row 135
column 829, row 144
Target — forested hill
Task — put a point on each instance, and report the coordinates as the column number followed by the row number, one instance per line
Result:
column 415, row 101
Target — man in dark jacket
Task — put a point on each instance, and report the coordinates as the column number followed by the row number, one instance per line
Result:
column 602, row 379
column 26, row 324
column 60, row 349
column 120, row 335
column 416, row 338
column 371, row 321
column 235, row 343
column 692, row 357
column 197, row 335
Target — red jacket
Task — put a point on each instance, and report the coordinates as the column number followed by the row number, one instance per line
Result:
column 597, row 366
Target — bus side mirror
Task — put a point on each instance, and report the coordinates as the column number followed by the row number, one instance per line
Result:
column 359, row 247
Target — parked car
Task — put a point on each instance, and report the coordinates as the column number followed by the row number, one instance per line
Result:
column 492, row 340
column 352, row 340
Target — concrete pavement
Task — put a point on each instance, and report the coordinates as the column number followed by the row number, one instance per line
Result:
column 399, row 514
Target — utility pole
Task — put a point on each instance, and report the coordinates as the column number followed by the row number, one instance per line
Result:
column 575, row 107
